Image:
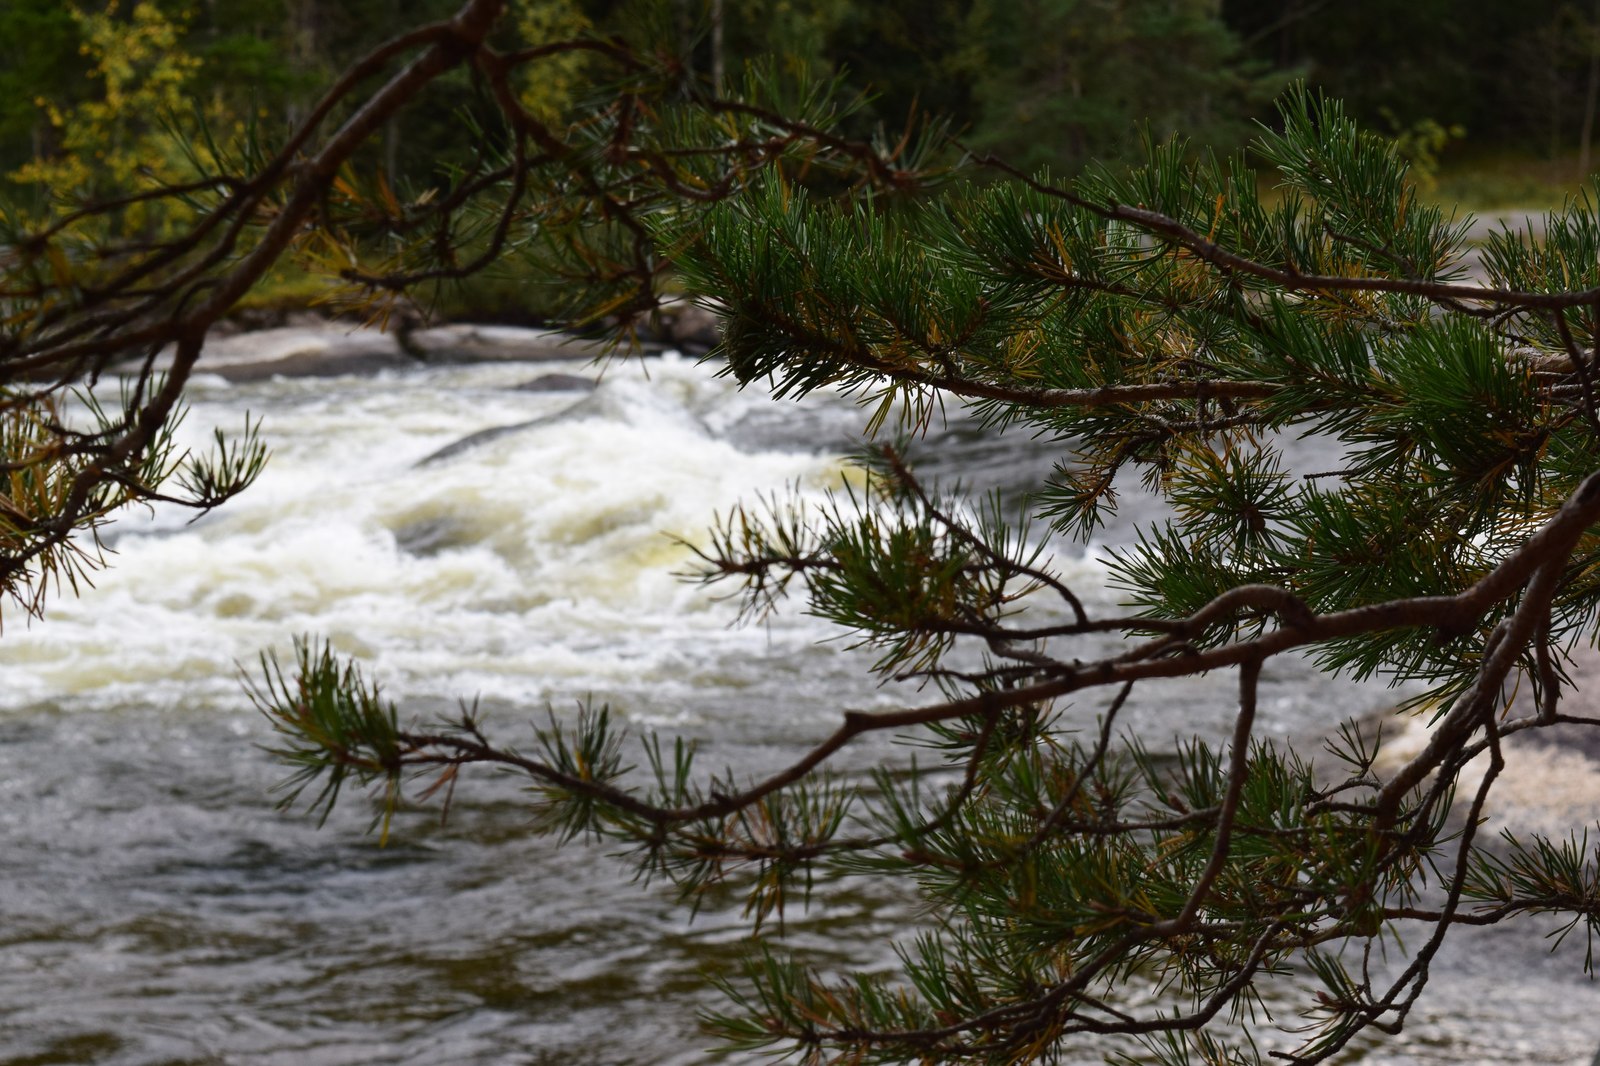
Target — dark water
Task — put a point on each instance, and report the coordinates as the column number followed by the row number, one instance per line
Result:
column 156, row 909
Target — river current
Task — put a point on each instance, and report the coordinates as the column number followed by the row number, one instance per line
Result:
column 155, row 909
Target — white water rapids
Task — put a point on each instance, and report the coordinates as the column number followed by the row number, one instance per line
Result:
column 156, row 909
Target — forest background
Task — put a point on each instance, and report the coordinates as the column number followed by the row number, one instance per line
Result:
column 1493, row 104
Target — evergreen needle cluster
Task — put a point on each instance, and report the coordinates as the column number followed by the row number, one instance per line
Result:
column 1181, row 320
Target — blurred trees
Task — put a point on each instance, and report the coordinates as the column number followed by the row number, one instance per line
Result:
column 1517, row 77
column 1066, row 82
column 127, row 129
column 1044, row 82
column 38, row 60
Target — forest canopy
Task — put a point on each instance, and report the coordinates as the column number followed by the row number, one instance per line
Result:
column 1043, row 82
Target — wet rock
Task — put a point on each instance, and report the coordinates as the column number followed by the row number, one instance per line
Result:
column 430, row 536
column 580, row 409
column 312, row 365
column 557, row 383
column 322, row 350
column 253, row 319
column 689, row 326
column 313, row 347
column 446, row 344
column 478, row 439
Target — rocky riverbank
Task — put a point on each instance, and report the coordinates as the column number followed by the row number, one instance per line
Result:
column 305, row 344
column 321, row 348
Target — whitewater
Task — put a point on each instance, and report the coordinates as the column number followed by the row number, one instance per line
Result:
column 155, row 907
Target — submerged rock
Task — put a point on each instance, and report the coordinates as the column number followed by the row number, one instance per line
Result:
column 689, row 326
column 430, row 536
column 315, row 348
column 463, row 343
column 301, row 351
column 581, row 409
column 558, row 383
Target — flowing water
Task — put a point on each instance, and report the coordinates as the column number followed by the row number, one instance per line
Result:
column 156, row 909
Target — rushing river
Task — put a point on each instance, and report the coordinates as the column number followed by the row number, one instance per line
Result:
column 156, row 909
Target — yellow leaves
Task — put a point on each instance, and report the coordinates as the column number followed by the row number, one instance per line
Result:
column 386, row 195
column 343, row 186
column 60, row 268
column 1059, row 241
column 1021, row 353
column 550, row 85
column 33, row 490
column 115, row 142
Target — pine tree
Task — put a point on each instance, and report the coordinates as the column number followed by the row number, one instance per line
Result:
column 1061, row 83
column 1167, row 319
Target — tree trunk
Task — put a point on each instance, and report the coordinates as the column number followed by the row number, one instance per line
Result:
column 302, row 42
column 391, row 127
column 1590, row 96
column 685, row 34
column 717, row 71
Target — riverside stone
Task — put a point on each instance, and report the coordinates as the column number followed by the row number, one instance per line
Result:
column 467, row 343
column 558, row 383
column 327, row 349
column 690, row 326
column 295, row 351
column 582, row 409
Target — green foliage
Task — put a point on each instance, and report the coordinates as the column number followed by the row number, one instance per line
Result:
column 42, row 482
column 115, row 142
column 1420, row 144
column 1067, row 82
column 38, row 58
column 338, row 728
column 549, row 87
column 1166, row 321
column 1544, row 876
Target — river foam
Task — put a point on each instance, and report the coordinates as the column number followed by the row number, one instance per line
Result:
column 541, row 558
column 165, row 912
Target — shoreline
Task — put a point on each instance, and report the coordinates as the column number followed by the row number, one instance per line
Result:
column 306, row 344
